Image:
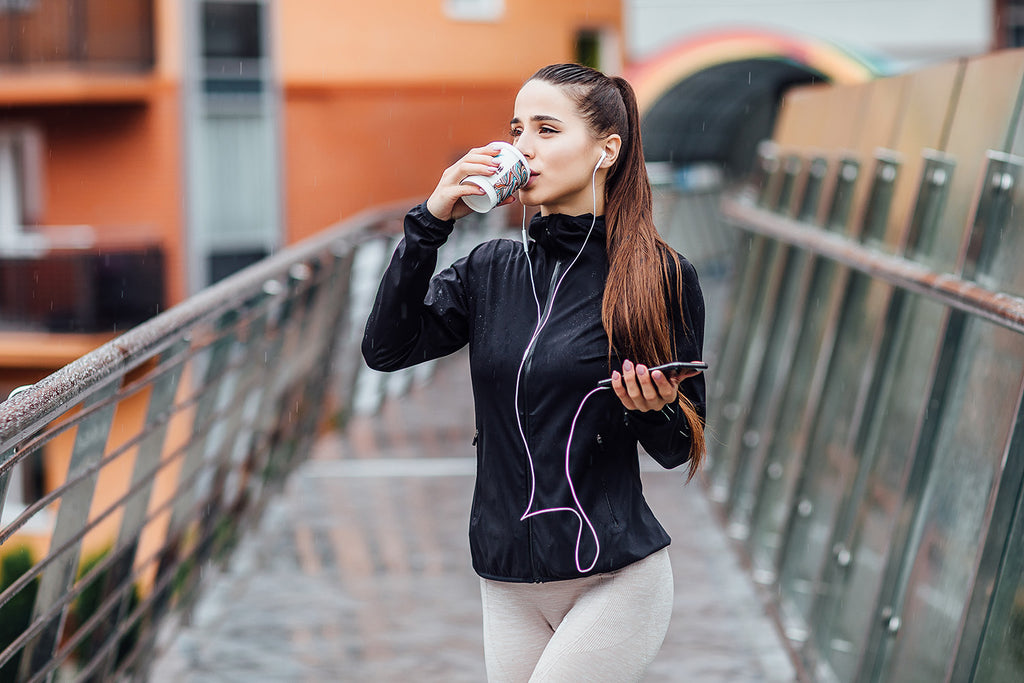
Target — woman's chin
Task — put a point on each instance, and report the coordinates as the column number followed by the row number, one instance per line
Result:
column 527, row 198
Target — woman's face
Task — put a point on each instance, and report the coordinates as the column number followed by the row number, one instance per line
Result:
column 560, row 149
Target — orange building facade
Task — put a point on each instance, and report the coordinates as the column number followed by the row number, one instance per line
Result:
column 197, row 135
column 380, row 98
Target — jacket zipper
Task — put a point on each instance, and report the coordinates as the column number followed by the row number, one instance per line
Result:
column 525, row 414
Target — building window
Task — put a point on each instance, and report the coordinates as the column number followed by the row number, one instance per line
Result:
column 18, row 5
column 233, row 47
column 20, row 182
column 474, row 10
column 597, row 48
column 588, row 48
column 1010, row 23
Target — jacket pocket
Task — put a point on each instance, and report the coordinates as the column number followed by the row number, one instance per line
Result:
column 602, row 449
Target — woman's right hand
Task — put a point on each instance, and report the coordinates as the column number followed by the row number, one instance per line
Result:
column 444, row 203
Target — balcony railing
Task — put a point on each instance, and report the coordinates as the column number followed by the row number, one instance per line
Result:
column 166, row 443
column 101, row 35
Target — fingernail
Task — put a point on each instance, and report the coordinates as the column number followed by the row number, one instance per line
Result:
column 627, row 365
column 641, row 370
column 616, row 376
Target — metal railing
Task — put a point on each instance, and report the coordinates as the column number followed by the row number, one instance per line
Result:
column 173, row 435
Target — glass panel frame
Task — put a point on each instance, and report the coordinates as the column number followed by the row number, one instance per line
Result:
column 810, row 202
column 991, row 221
column 847, row 173
column 880, row 197
column 932, row 194
column 792, row 167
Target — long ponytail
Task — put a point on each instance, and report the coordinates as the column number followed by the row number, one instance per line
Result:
column 643, row 269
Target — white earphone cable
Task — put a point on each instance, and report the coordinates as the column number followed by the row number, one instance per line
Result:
column 578, row 509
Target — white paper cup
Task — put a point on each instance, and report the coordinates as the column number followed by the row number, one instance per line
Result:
column 513, row 174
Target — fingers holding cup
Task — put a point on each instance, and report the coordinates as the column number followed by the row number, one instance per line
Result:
column 498, row 187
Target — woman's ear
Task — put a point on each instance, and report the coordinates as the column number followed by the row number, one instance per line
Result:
column 611, row 146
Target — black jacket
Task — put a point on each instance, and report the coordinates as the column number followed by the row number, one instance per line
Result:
column 485, row 300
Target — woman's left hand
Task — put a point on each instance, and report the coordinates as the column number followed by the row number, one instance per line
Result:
column 639, row 389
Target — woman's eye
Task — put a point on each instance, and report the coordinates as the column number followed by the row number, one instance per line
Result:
column 515, row 132
column 545, row 129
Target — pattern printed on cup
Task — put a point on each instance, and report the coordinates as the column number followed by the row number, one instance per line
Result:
column 510, row 180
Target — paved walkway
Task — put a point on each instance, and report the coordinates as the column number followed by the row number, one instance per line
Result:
column 360, row 572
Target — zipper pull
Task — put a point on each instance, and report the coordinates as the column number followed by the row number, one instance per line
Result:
column 476, row 436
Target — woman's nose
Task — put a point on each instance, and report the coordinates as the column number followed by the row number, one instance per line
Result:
column 523, row 146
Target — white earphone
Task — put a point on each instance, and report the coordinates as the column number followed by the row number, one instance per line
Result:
column 604, row 155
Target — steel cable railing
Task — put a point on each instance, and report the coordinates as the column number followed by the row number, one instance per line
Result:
column 174, row 435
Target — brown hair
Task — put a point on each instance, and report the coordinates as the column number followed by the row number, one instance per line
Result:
column 633, row 310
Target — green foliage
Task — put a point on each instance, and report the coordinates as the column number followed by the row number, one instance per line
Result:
column 90, row 600
column 16, row 615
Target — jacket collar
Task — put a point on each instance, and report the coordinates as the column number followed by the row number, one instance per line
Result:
column 561, row 233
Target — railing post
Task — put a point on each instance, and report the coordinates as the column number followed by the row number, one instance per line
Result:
column 220, row 352
column 147, row 459
column 59, row 576
column 5, row 478
column 262, row 334
column 278, row 397
column 221, row 460
column 326, row 318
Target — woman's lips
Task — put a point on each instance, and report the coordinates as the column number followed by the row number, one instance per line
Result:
column 533, row 176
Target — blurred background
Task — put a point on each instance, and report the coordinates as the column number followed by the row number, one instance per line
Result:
column 150, row 147
column 865, row 303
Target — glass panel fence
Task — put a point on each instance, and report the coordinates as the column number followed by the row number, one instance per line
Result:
column 872, row 419
column 829, row 462
column 972, row 423
column 754, row 358
column 784, row 454
column 762, row 410
column 1002, row 650
column 861, row 542
column 728, row 408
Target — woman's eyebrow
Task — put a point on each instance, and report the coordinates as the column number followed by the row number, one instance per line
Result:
column 537, row 118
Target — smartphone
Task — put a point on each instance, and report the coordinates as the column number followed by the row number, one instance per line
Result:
column 670, row 370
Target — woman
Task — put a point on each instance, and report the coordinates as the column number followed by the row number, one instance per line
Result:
column 575, row 577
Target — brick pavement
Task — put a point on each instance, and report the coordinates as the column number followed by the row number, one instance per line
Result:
column 360, row 571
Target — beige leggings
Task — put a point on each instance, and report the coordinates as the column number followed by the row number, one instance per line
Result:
column 605, row 627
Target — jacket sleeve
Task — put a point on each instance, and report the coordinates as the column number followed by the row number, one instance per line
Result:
column 417, row 317
column 665, row 434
